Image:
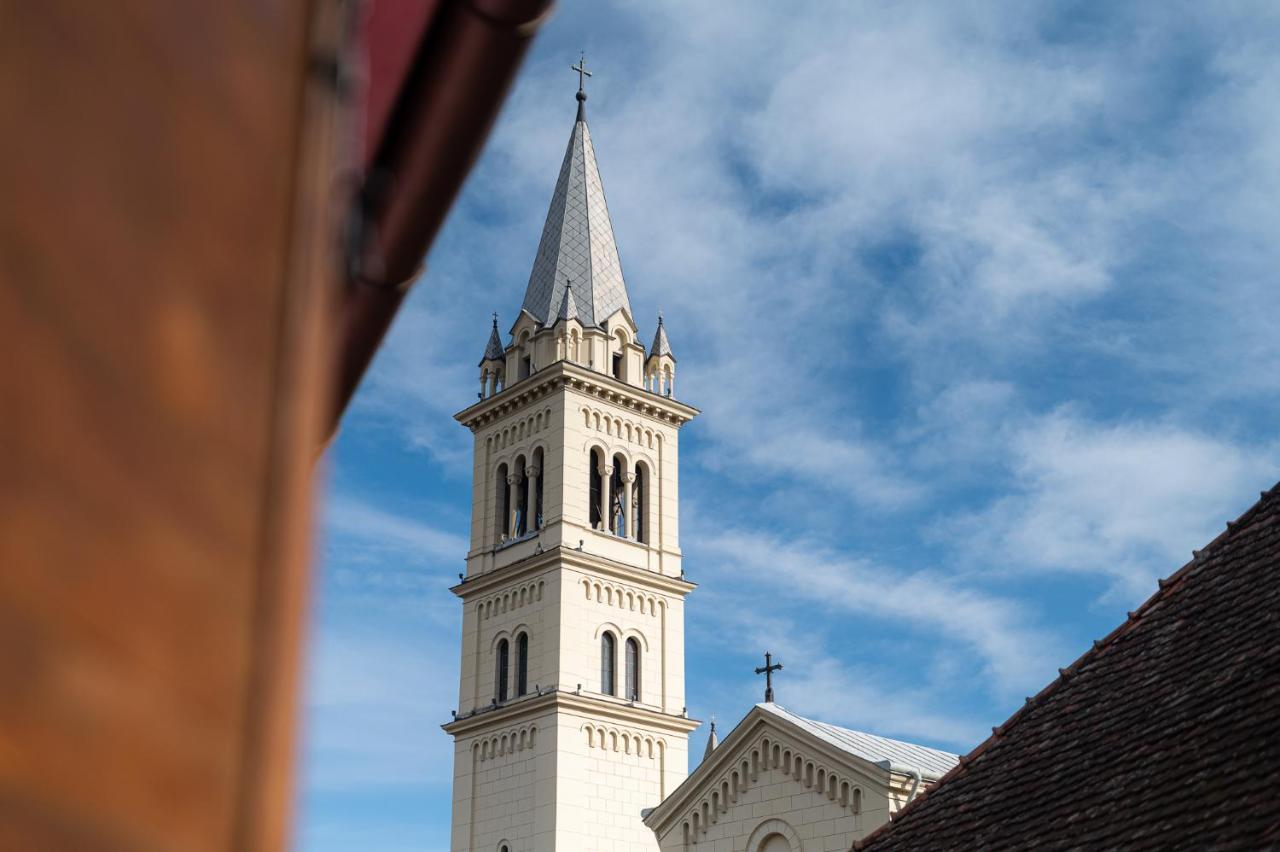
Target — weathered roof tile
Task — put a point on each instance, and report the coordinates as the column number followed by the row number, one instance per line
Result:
column 1165, row 734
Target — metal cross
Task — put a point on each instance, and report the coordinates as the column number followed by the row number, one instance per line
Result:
column 581, row 68
column 767, row 670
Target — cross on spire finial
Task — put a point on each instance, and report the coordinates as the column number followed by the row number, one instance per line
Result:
column 767, row 670
column 583, row 73
column 581, row 68
column 495, row 319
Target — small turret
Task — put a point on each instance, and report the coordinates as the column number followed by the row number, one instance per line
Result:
column 660, row 367
column 712, row 741
column 568, row 305
column 493, row 364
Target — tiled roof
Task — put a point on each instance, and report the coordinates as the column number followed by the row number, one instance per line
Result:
column 1164, row 735
column 931, row 762
column 577, row 243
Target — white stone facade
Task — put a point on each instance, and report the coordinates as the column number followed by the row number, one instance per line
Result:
column 556, row 760
column 776, row 786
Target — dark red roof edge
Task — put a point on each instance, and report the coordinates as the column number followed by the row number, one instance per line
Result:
column 1166, row 588
column 455, row 84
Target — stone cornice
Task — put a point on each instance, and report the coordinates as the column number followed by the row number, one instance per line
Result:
column 569, row 558
column 563, row 374
column 595, row 707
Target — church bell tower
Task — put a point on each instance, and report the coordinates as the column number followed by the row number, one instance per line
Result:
column 571, row 710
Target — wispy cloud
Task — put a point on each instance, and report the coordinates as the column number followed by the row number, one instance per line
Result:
column 376, row 698
column 1128, row 500
column 998, row 632
column 978, row 300
column 374, row 527
column 851, row 690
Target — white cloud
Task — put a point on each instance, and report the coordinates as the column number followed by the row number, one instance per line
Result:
column 997, row 632
column 1128, row 501
column 376, row 527
column 949, row 274
column 384, row 669
column 854, row 692
column 375, row 701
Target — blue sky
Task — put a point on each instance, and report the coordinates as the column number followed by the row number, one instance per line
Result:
column 979, row 302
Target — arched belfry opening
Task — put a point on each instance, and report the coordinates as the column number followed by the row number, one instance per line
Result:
column 640, row 502
column 520, row 521
column 596, row 489
column 618, row 503
column 538, row 471
column 502, row 507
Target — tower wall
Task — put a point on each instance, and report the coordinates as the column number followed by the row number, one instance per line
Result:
column 567, row 766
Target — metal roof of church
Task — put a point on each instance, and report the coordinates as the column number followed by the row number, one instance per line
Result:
column 931, row 762
column 577, row 242
column 1165, row 734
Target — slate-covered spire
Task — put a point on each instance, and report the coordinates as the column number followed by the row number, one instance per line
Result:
column 494, row 351
column 577, row 239
column 661, row 346
column 712, row 741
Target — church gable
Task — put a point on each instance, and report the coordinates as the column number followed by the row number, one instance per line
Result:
column 772, row 780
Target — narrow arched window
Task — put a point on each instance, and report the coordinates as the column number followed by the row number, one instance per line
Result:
column 539, row 462
column 520, row 523
column 596, row 487
column 618, row 507
column 633, row 669
column 526, row 361
column 502, row 507
column 639, row 498
column 522, row 664
column 608, row 649
column 501, row 686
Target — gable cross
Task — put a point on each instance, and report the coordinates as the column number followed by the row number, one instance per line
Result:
column 767, row 670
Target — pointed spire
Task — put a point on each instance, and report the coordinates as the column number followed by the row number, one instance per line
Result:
column 712, row 741
column 661, row 346
column 495, row 350
column 577, row 239
column 568, row 305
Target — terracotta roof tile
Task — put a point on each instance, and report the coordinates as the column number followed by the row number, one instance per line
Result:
column 1165, row 734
